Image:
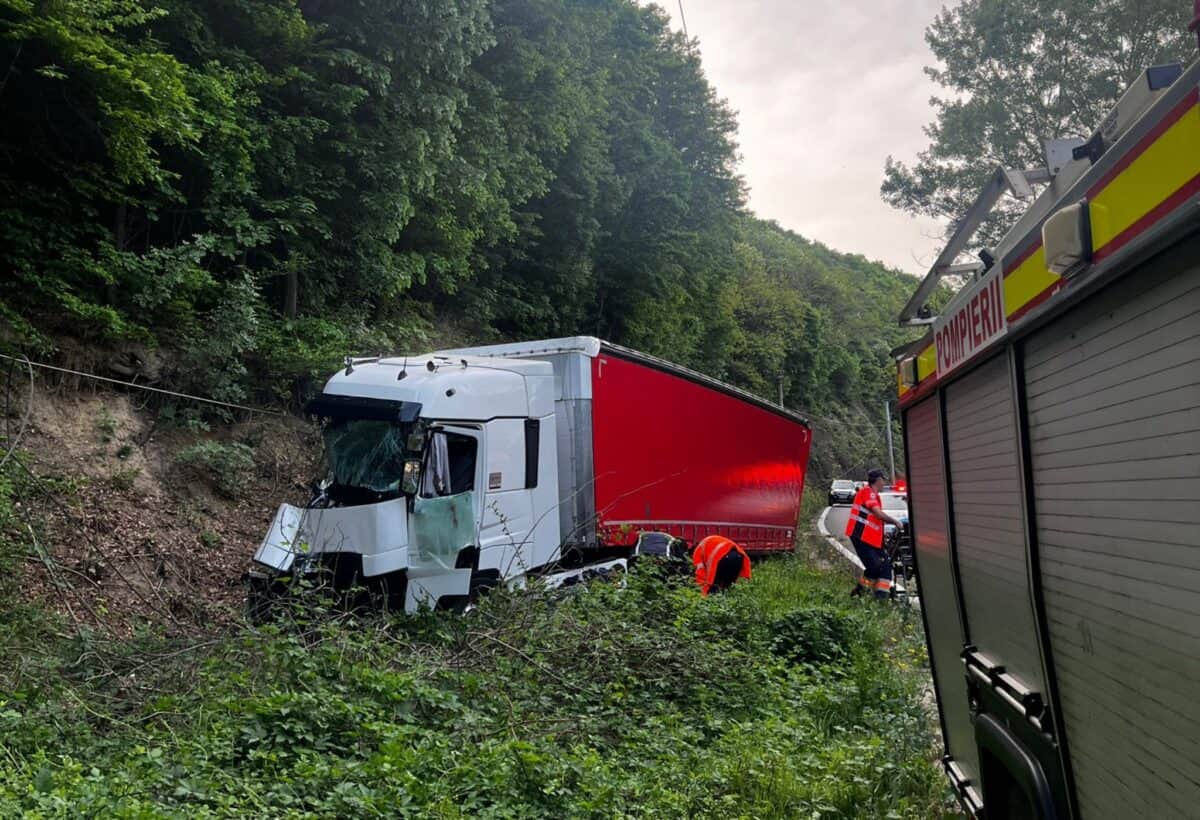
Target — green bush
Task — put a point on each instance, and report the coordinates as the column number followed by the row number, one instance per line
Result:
column 613, row 702
column 226, row 467
column 812, row 636
column 10, row 552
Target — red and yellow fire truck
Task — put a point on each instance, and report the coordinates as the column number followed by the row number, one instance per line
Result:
column 1052, row 440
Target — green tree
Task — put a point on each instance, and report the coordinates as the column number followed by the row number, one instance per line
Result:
column 1019, row 71
column 89, row 103
column 667, row 229
column 546, row 102
column 258, row 187
column 631, row 237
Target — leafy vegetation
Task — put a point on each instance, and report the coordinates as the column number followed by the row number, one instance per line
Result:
column 781, row 699
column 1016, row 72
column 228, row 196
column 225, row 466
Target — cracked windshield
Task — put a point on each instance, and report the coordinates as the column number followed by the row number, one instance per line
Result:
column 366, row 455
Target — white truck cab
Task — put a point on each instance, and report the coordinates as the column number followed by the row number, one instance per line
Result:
column 441, row 474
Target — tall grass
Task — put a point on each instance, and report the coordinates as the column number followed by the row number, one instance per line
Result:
column 781, row 699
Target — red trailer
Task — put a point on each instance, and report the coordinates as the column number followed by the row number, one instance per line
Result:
column 678, row 452
column 647, row 445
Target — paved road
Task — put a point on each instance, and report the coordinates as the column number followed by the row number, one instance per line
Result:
column 835, row 522
column 835, row 525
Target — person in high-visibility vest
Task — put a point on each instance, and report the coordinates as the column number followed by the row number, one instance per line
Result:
column 865, row 529
column 719, row 563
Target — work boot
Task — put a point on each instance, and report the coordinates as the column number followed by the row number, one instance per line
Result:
column 857, row 591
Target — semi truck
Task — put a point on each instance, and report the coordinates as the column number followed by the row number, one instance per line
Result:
column 451, row 472
column 1051, row 418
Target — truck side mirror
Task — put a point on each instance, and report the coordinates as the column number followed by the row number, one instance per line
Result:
column 411, row 482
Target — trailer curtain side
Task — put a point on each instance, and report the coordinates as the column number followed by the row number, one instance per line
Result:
column 684, row 456
column 644, row 444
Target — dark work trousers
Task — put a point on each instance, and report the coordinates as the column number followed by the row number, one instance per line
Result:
column 876, row 564
column 728, row 570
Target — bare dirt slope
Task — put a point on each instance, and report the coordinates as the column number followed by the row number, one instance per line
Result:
column 121, row 528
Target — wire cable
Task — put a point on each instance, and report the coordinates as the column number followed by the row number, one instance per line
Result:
column 146, row 387
column 16, row 442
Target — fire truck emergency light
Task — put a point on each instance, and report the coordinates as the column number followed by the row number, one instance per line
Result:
column 1067, row 239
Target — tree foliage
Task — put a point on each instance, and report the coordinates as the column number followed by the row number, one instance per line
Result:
column 257, row 187
column 1016, row 72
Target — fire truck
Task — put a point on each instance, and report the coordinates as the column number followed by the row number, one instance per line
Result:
column 1051, row 419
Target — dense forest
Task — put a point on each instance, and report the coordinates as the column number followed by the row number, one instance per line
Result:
column 227, row 196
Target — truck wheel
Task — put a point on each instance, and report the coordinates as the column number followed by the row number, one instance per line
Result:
column 262, row 595
column 390, row 591
column 454, row 603
column 483, row 582
column 258, row 603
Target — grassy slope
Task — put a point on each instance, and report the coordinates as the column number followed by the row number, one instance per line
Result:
column 782, row 699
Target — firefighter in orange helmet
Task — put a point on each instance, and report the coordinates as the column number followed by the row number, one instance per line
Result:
column 865, row 530
column 719, row 563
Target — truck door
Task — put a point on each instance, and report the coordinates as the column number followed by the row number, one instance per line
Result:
column 506, row 544
column 446, row 512
column 939, row 593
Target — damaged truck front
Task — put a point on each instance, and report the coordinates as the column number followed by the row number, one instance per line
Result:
column 405, row 508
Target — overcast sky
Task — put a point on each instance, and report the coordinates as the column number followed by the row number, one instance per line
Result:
column 824, row 91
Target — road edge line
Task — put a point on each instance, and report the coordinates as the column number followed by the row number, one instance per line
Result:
column 823, row 531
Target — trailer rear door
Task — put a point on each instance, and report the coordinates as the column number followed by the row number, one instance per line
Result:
column 1113, row 394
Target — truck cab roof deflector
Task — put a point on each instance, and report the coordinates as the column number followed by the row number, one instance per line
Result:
column 334, row 406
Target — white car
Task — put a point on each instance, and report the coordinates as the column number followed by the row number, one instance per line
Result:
column 895, row 505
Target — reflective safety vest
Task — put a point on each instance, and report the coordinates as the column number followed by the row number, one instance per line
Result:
column 862, row 524
column 708, row 554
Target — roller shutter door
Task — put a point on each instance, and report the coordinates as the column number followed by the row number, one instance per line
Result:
column 1114, row 409
column 931, row 541
column 989, row 530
